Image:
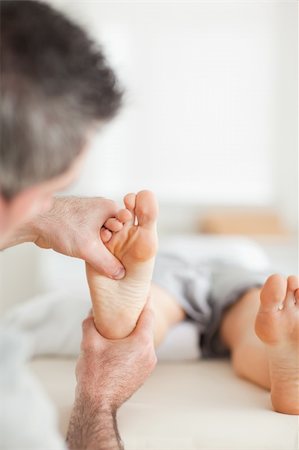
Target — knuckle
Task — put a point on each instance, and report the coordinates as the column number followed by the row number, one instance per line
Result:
column 85, row 323
column 148, row 350
column 111, row 204
column 86, row 246
column 145, row 337
column 144, row 343
column 153, row 360
column 88, row 243
column 88, row 346
column 83, row 347
column 153, row 366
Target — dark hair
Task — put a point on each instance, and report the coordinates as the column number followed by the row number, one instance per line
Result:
column 55, row 86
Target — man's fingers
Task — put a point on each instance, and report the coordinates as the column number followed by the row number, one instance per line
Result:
column 102, row 260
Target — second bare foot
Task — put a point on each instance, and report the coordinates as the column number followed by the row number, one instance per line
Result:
column 277, row 325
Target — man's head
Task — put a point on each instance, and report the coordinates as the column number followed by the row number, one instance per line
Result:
column 56, row 87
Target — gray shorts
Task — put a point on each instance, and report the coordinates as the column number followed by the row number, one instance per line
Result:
column 204, row 291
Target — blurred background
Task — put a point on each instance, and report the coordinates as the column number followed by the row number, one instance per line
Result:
column 209, row 124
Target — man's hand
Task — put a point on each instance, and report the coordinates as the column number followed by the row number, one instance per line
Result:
column 108, row 373
column 72, row 227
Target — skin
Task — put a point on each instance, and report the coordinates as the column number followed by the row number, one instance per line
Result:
column 105, row 376
column 261, row 329
column 70, row 226
column 106, row 379
column 117, row 304
column 263, row 340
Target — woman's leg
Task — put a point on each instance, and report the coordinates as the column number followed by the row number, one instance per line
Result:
column 262, row 332
column 248, row 352
column 167, row 312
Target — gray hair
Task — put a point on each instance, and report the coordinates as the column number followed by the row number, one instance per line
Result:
column 55, row 86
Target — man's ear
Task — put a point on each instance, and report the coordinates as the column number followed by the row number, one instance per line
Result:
column 25, row 205
column 19, row 209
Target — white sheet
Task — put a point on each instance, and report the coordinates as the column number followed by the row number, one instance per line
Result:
column 52, row 321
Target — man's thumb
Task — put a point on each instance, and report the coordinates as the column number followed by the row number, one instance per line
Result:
column 105, row 263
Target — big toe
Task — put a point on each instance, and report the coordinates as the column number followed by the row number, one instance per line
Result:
column 273, row 292
column 146, row 209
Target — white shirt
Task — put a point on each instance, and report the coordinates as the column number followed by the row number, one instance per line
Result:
column 28, row 420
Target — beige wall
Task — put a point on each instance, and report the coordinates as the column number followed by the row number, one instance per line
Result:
column 128, row 155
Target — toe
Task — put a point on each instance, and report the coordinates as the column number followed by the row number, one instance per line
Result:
column 124, row 215
column 113, row 225
column 106, row 235
column 146, row 209
column 130, row 203
column 273, row 292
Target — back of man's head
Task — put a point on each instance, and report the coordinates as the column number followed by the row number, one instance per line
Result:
column 55, row 87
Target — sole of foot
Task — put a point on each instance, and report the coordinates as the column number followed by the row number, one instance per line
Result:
column 277, row 325
column 132, row 238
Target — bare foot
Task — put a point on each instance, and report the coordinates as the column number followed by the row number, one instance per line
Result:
column 132, row 238
column 277, row 325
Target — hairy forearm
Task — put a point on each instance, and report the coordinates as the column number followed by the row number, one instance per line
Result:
column 92, row 428
column 33, row 230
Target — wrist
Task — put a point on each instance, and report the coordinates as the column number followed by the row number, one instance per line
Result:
column 25, row 233
column 99, row 404
column 93, row 426
column 44, row 225
column 29, row 232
